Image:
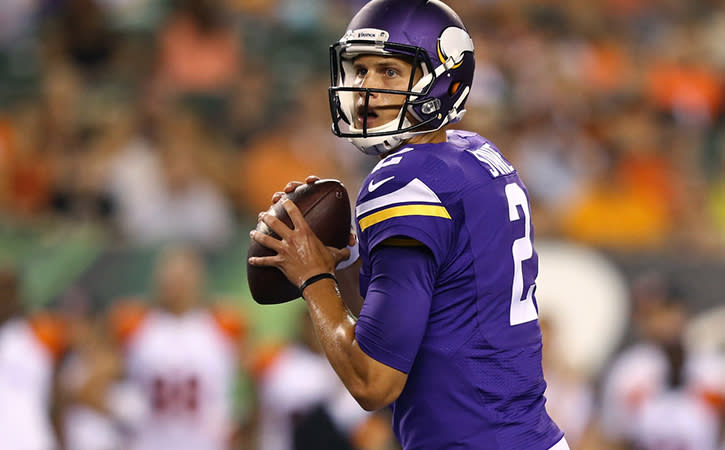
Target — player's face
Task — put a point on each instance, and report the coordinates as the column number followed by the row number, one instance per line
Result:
column 179, row 282
column 380, row 72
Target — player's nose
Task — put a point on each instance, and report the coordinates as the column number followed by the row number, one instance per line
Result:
column 368, row 83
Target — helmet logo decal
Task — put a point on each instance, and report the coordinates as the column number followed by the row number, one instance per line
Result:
column 452, row 43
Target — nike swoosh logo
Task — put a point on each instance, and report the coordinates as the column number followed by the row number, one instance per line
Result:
column 373, row 185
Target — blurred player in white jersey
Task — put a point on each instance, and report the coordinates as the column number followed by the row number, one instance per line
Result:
column 687, row 416
column 304, row 405
column 658, row 395
column 184, row 358
column 30, row 347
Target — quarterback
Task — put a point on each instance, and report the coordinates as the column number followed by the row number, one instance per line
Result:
column 448, row 333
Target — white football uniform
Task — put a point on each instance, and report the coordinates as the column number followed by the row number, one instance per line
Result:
column 638, row 405
column 677, row 420
column 26, row 376
column 636, row 376
column 298, row 381
column 186, row 368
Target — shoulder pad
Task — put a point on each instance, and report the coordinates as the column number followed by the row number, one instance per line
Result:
column 230, row 321
column 51, row 331
column 126, row 317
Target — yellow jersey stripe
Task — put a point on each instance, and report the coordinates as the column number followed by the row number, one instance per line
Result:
column 403, row 210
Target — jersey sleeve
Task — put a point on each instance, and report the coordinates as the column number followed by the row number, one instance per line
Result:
column 395, row 314
column 52, row 332
column 125, row 318
column 396, row 203
column 229, row 321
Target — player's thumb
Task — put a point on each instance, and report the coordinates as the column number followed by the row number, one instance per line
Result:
column 350, row 254
column 339, row 254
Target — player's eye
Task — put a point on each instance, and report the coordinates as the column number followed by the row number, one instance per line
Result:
column 360, row 72
column 391, row 73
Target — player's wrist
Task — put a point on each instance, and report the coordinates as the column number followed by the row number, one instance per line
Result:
column 315, row 279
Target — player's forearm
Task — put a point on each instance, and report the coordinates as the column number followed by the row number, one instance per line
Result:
column 335, row 329
column 349, row 284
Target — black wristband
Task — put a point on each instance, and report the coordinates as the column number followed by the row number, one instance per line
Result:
column 316, row 278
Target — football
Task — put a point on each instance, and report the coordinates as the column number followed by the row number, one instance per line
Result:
column 326, row 207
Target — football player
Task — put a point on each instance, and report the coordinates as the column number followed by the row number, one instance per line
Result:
column 31, row 347
column 183, row 357
column 448, row 332
column 659, row 393
column 311, row 411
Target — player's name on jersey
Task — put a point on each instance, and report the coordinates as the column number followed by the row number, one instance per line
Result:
column 497, row 166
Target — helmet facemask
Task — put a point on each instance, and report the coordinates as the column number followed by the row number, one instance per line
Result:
column 385, row 137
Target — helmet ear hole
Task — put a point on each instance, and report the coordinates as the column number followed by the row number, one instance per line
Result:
column 453, row 89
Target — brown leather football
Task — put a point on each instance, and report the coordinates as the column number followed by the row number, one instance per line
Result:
column 326, row 207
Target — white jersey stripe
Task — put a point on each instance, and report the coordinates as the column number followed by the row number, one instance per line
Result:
column 391, row 160
column 415, row 191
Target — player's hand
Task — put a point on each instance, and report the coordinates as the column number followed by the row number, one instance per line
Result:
column 354, row 251
column 291, row 186
column 300, row 254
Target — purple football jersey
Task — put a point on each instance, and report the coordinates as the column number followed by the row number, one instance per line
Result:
column 474, row 378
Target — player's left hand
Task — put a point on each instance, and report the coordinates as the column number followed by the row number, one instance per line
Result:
column 300, row 254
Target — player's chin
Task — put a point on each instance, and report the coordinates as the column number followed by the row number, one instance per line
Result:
column 375, row 121
column 363, row 122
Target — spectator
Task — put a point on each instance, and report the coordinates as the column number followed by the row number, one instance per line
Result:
column 199, row 51
column 86, row 36
column 299, row 145
column 16, row 20
column 163, row 196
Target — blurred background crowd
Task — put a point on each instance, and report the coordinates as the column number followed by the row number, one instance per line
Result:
column 140, row 138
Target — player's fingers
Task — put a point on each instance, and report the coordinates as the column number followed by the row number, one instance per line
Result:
column 264, row 261
column 276, row 196
column 298, row 220
column 311, row 179
column 266, row 240
column 291, row 186
column 339, row 254
column 277, row 225
column 352, row 239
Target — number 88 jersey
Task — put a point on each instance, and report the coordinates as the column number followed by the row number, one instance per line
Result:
column 185, row 366
column 479, row 356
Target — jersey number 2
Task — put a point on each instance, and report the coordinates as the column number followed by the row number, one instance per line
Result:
column 522, row 309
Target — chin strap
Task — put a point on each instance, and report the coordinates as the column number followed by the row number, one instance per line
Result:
column 379, row 145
